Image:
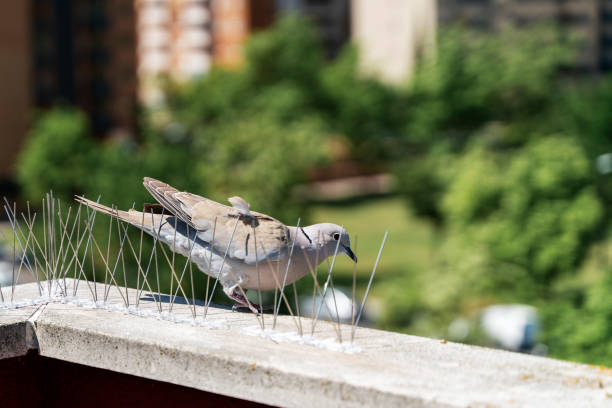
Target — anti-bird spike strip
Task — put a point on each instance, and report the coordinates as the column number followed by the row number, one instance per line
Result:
column 66, row 250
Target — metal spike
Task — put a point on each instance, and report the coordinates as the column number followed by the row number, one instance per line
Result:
column 221, row 267
column 277, row 283
column 212, row 245
column 316, row 289
column 141, row 272
column 354, row 286
column 286, row 272
column 154, row 250
column 259, row 297
column 16, row 227
column 119, row 255
column 369, row 285
column 326, row 285
column 14, row 258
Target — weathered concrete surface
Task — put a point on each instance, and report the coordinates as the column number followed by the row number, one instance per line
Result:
column 15, row 334
column 390, row 370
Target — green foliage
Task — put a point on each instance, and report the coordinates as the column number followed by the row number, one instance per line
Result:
column 536, row 209
column 585, row 109
column 57, row 155
column 218, row 95
column 579, row 325
column 505, row 165
column 477, row 84
column 118, row 179
column 286, row 78
column 371, row 114
column 475, row 79
column 288, row 53
column 514, row 222
column 421, row 182
column 261, row 159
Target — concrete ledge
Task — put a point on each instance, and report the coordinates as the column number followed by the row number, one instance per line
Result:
column 16, row 336
column 390, row 370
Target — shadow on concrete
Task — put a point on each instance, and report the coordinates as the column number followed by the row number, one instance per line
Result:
column 153, row 297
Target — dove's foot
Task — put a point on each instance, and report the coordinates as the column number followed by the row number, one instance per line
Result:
column 242, row 302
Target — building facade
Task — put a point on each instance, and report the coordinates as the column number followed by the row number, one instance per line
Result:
column 82, row 53
column 391, row 39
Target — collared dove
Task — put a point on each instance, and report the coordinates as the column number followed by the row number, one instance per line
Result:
column 221, row 240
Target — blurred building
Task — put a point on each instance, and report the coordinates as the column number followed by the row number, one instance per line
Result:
column 233, row 21
column 589, row 21
column 15, row 99
column 82, row 53
column 391, row 39
column 184, row 38
column 173, row 38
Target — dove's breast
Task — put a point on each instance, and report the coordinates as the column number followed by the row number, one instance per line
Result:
column 270, row 275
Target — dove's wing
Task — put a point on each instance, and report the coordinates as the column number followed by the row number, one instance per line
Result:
column 200, row 214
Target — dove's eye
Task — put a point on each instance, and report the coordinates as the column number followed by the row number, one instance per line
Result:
column 336, row 236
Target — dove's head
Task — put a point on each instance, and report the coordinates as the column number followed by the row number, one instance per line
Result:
column 329, row 237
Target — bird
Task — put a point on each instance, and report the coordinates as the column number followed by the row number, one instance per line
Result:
column 242, row 249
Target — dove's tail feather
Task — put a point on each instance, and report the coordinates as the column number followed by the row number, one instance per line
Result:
column 146, row 221
column 122, row 215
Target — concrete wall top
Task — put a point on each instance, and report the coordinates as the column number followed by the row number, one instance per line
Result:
column 233, row 357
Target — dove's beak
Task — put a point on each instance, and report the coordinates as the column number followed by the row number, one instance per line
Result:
column 350, row 253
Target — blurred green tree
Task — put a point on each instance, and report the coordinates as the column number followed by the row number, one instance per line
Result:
column 473, row 82
column 516, row 222
column 476, row 78
column 371, row 114
column 536, row 208
column 262, row 159
column 578, row 324
column 58, row 155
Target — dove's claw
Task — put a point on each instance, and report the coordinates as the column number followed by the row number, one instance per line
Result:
column 243, row 302
column 251, row 307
